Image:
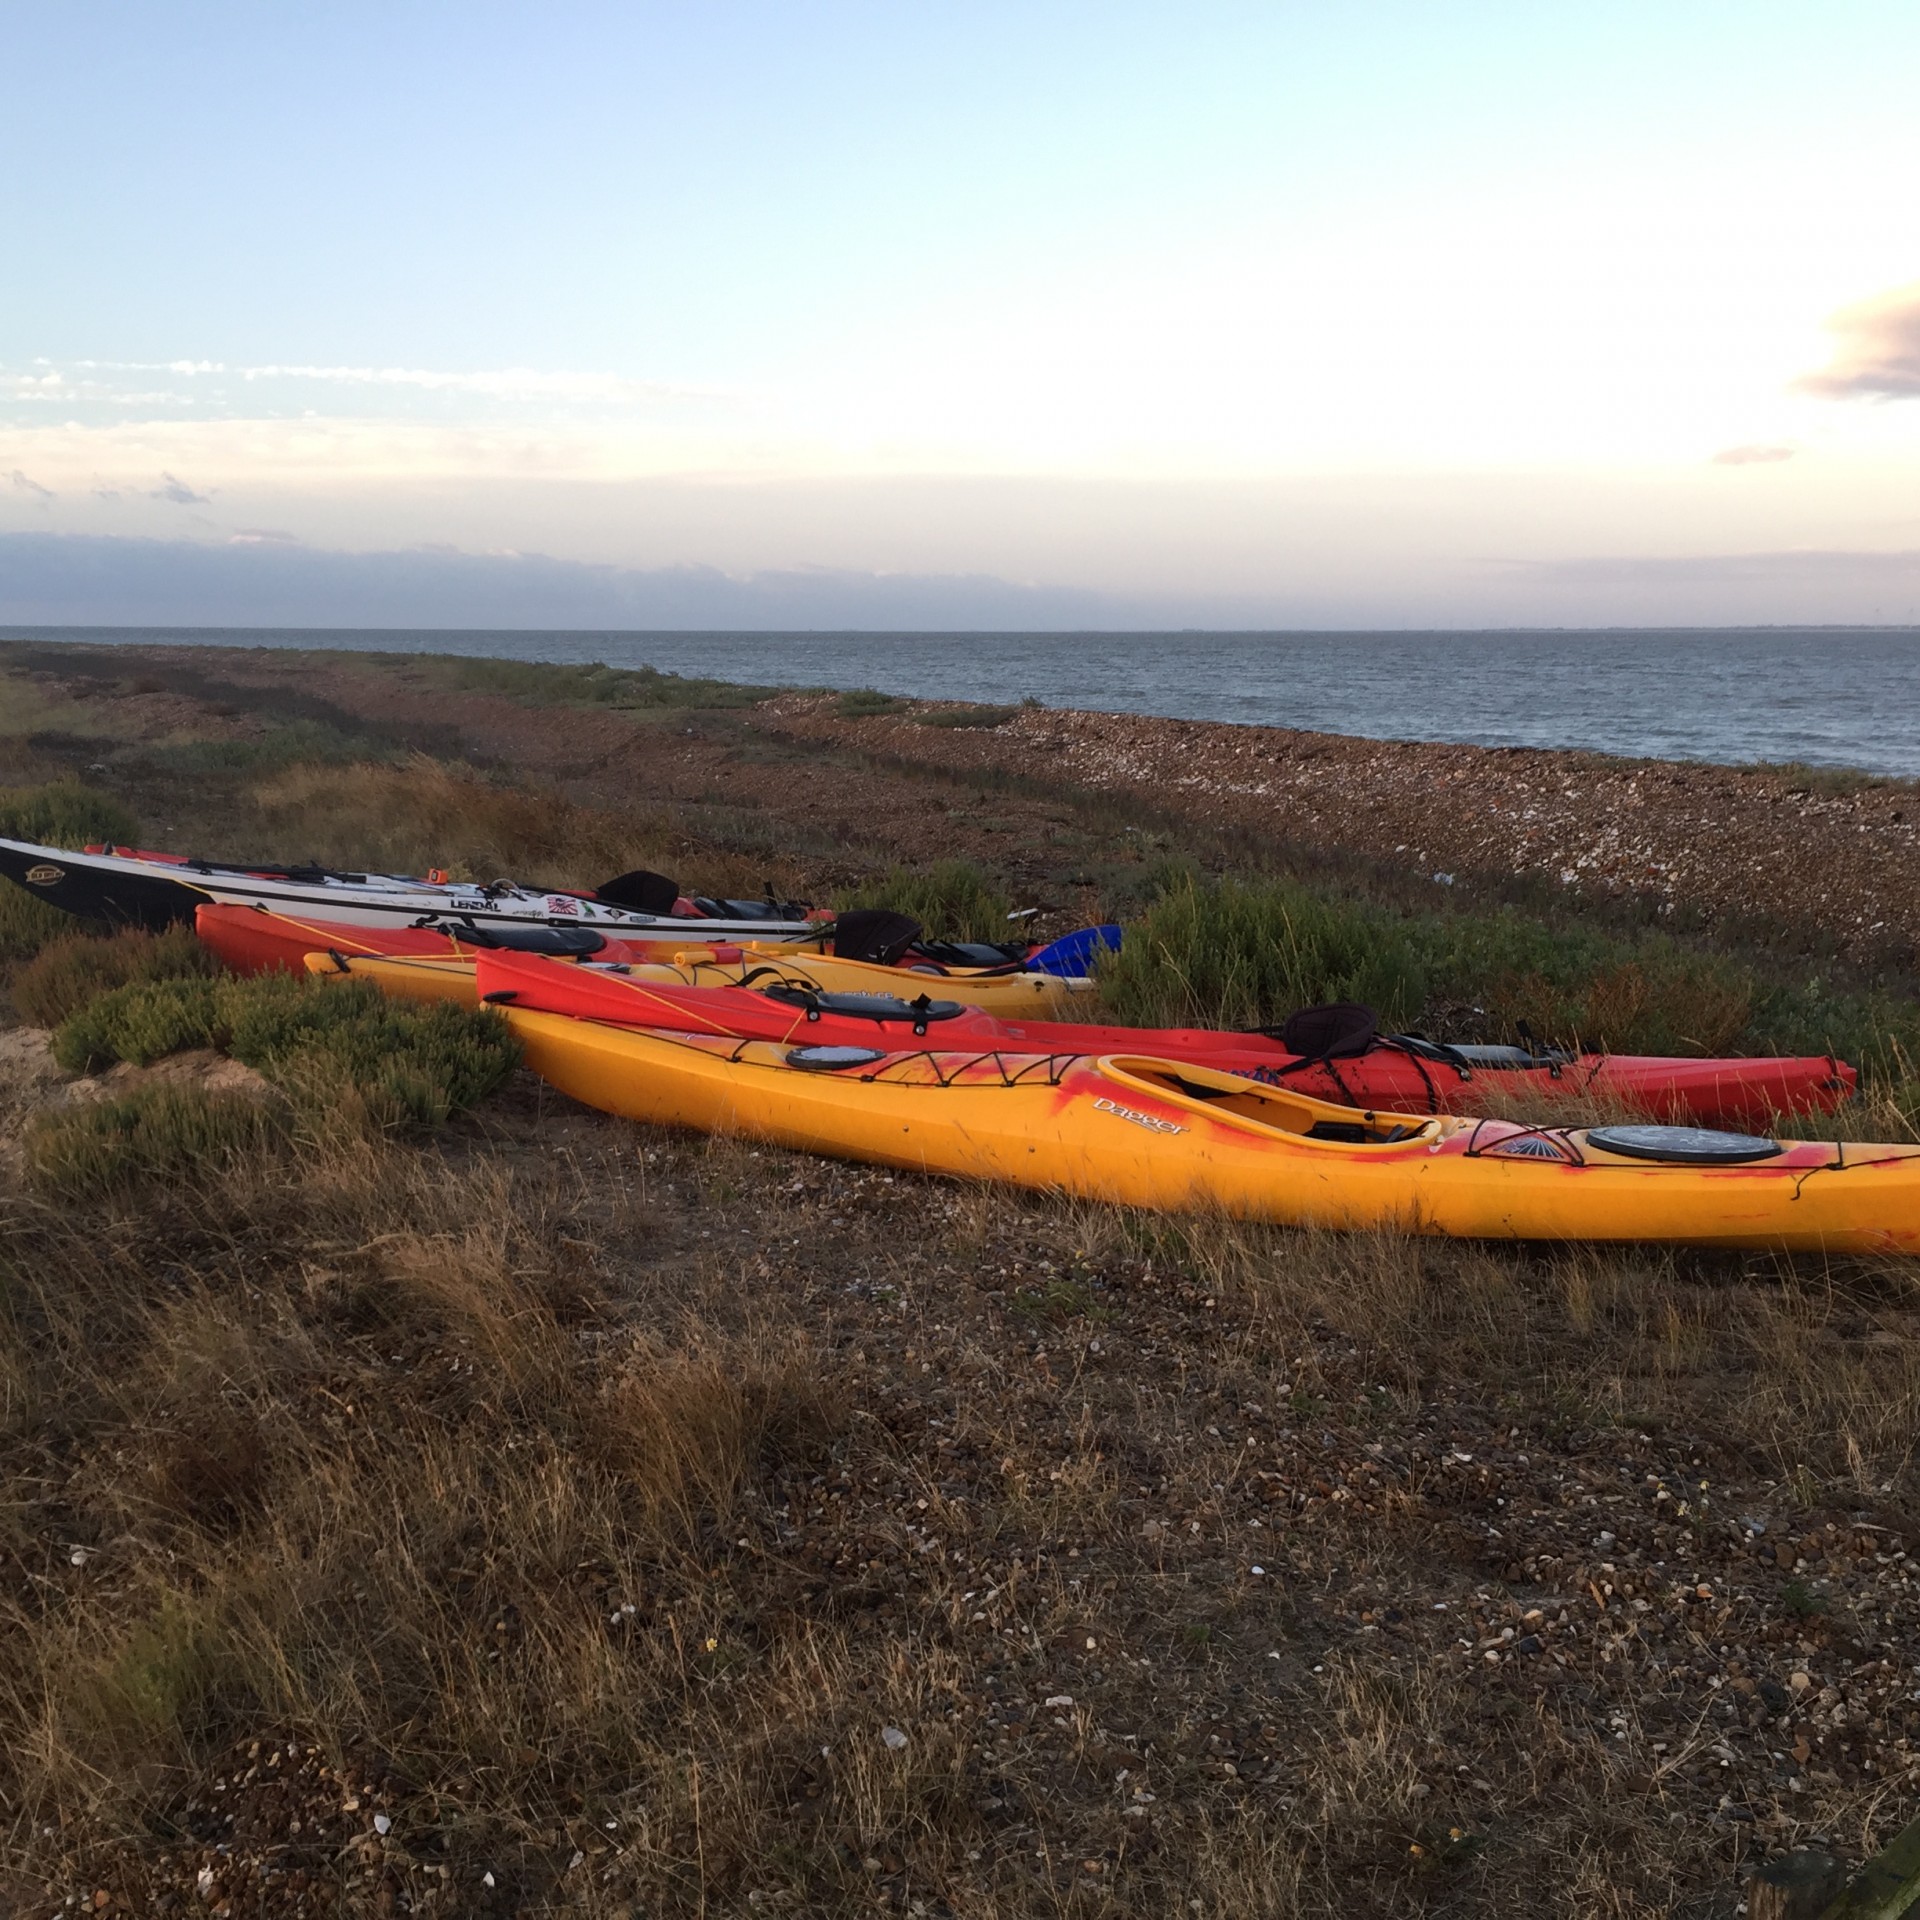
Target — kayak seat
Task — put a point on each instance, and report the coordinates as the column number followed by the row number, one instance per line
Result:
column 1356, row 1133
column 639, row 892
column 872, row 934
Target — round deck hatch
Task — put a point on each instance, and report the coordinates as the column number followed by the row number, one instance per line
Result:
column 831, row 1059
column 1686, row 1146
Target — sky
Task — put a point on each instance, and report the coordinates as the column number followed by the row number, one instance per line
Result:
column 1413, row 314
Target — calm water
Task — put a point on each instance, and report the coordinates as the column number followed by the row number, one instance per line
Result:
column 1830, row 696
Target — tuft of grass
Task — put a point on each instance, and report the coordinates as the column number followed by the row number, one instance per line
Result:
column 952, row 899
column 71, row 972
column 64, row 813
column 984, row 718
column 348, row 1057
column 863, row 703
column 1234, row 955
column 162, row 1133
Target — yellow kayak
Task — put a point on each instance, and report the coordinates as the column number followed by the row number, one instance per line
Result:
column 1152, row 1133
column 1009, row 995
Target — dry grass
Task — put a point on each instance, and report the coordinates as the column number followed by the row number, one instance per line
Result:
column 551, row 1499
column 424, row 814
column 407, row 818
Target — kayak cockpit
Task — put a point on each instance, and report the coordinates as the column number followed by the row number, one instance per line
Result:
column 1255, row 1103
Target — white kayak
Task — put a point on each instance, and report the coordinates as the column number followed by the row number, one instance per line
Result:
column 135, row 887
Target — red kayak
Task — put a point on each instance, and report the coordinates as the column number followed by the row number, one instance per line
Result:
column 258, row 939
column 1396, row 1073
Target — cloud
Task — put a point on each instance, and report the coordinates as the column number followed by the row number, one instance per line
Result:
column 263, row 536
column 1751, row 456
column 177, row 492
column 22, row 483
column 1877, row 353
column 109, row 580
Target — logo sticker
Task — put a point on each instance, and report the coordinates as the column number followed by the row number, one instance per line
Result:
column 45, row 875
column 559, row 903
column 1147, row 1120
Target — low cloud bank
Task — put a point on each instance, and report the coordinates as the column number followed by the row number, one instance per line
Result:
column 265, row 579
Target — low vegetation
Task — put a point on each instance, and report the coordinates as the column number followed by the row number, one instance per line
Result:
column 952, row 900
column 64, row 813
column 1245, row 954
column 335, row 1049
column 556, row 684
column 71, row 970
column 865, row 702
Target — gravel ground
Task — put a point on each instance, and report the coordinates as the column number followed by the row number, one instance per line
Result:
column 1722, row 842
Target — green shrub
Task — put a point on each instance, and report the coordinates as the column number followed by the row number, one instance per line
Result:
column 29, row 925
column 952, row 899
column 139, row 1022
column 1233, row 955
column 344, row 1054
column 552, row 683
column 64, row 813
column 79, row 968
column 171, row 1133
column 347, row 1048
column 864, row 702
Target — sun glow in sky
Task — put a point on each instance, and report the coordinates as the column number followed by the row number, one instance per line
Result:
column 1421, row 313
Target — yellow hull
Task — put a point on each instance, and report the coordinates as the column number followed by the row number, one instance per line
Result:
column 1030, row 996
column 1149, row 1134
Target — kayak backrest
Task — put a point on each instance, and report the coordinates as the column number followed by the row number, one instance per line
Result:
column 1339, row 1031
column 639, row 892
column 875, row 935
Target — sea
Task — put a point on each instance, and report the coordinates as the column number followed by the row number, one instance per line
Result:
column 1821, row 696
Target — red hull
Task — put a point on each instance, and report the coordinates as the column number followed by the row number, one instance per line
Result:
column 255, row 940
column 1706, row 1092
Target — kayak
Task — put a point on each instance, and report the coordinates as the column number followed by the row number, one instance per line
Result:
column 142, row 888
column 1148, row 1132
column 256, row 939
column 706, row 969
column 1398, row 1072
